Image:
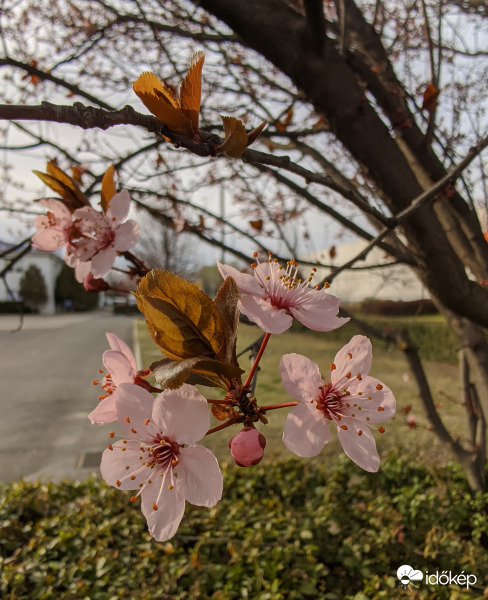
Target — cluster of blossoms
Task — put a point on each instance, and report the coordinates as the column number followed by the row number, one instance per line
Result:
column 91, row 238
column 158, row 456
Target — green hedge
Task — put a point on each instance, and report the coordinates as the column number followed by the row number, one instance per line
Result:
column 434, row 339
column 288, row 531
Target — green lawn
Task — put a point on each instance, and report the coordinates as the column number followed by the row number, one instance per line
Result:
column 389, row 366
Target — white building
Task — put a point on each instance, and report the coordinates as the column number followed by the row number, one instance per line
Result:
column 48, row 263
column 396, row 282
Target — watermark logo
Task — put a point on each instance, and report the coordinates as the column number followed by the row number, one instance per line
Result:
column 407, row 575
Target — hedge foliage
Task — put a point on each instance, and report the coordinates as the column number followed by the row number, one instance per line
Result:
column 435, row 340
column 290, row 530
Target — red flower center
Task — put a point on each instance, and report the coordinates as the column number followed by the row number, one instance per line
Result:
column 164, row 452
column 330, row 401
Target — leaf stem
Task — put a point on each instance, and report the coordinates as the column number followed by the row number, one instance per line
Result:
column 256, row 361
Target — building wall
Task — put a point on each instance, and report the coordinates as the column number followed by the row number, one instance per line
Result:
column 397, row 282
column 49, row 265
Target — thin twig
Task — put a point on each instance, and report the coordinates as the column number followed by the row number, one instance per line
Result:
column 427, row 196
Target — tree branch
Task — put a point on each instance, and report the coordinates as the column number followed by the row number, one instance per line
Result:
column 416, row 204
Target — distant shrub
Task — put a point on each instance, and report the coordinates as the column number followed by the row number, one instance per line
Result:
column 14, row 307
column 290, row 530
column 434, row 340
column 400, row 309
column 70, row 291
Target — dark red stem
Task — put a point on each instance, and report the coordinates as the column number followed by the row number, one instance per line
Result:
column 273, row 406
column 219, row 427
column 256, row 362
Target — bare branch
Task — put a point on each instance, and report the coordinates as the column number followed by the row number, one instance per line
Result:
column 416, row 204
column 58, row 81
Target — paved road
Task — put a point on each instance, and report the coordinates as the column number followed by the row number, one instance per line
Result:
column 46, row 392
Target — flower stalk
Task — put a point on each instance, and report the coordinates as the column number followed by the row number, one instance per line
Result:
column 256, row 361
column 263, row 409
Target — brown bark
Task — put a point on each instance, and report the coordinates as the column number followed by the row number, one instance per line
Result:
column 276, row 30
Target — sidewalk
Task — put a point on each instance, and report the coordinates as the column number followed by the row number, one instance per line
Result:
column 46, row 370
column 12, row 322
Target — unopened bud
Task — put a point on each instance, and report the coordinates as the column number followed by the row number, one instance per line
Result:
column 95, row 285
column 247, row 447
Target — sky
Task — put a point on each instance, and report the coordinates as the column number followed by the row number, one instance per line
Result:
column 322, row 232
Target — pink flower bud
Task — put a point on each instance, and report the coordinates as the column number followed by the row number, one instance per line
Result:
column 95, row 285
column 247, row 447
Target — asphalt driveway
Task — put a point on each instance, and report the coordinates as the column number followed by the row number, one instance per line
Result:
column 46, row 393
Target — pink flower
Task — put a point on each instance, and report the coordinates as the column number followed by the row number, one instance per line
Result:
column 247, row 447
column 274, row 295
column 158, row 456
column 53, row 228
column 121, row 368
column 107, row 232
column 350, row 399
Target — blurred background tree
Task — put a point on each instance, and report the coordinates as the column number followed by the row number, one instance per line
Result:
column 33, row 290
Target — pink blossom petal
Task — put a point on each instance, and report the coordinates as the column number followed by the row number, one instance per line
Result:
column 135, row 404
column 118, row 366
column 320, row 300
column 103, row 261
column 381, row 397
column 50, row 239
column 118, row 208
column 105, row 412
column 85, row 213
column 82, row 269
column 301, row 377
column 41, row 222
column 362, row 354
column 89, row 221
column 246, row 283
column 201, row 474
column 317, row 316
column 163, row 523
column 118, row 344
column 361, row 448
column 126, row 236
column 306, row 430
column 59, row 210
column 84, row 249
column 115, row 462
column 182, row 414
column 270, row 318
